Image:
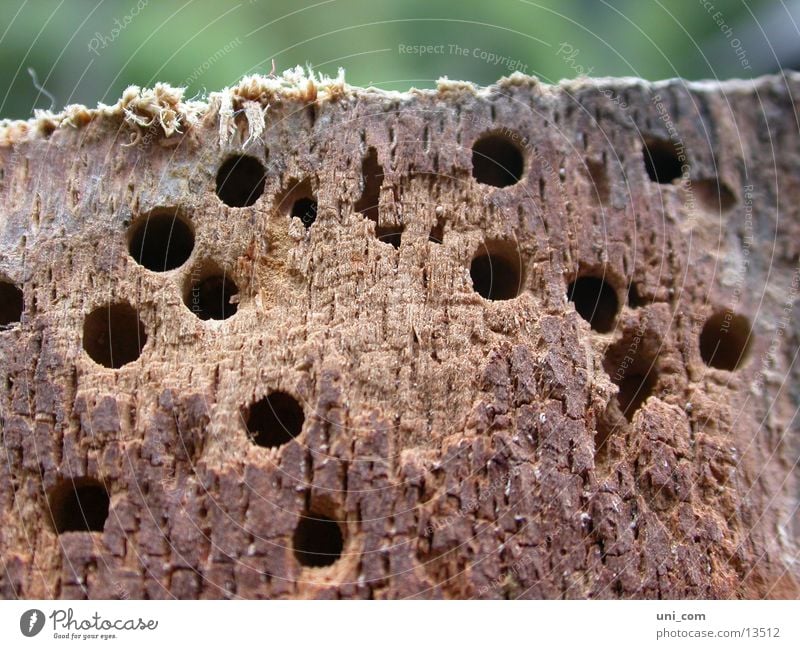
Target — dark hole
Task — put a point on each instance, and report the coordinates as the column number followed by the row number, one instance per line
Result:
column 161, row 241
column 371, row 179
column 635, row 299
column 632, row 364
column 210, row 297
column 725, row 340
column 661, row 160
column 113, row 335
column 437, row 232
column 240, row 181
column 599, row 179
column 389, row 234
column 78, row 506
column 714, row 196
column 603, row 437
column 496, row 272
column 595, row 301
column 275, row 420
column 496, row 161
column 306, row 210
column 10, row 303
column 634, row 389
column 317, row 541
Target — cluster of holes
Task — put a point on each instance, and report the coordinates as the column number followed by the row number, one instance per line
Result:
column 272, row 422
column 496, row 161
column 82, row 505
column 79, row 505
column 163, row 241
column 723, row 343
column 724, row 340
column 663, row 165
column 597, row 302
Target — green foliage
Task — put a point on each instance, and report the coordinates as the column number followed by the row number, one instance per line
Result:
column 89, row 51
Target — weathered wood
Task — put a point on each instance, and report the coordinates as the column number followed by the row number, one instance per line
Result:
column 463, row 446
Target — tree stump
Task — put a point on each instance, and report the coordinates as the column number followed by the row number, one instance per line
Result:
column 309, row 340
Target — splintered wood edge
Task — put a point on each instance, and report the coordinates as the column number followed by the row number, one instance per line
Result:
column 163, row 106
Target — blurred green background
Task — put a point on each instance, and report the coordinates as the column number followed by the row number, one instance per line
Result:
column 88, row 50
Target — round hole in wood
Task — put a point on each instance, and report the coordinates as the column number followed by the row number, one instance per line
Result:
column 11, row 303
column 275, row 420
column 162, row 240
column 595, row 301
column 240, row 181
column 661, row 160
column 497, row 271
column 79, row 505
column 725, row 340
column 113, row 335
column 497, row 160
column 317, row 541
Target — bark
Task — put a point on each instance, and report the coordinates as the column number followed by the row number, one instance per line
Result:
column 472, row 391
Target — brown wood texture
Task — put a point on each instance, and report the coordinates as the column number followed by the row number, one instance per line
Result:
column 390, row 364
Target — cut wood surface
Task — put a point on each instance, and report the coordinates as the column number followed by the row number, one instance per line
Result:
column 307, row 340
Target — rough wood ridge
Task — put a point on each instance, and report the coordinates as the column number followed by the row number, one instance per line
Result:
column 302, row 339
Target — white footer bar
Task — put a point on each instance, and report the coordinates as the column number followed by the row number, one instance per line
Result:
column 406, row 625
